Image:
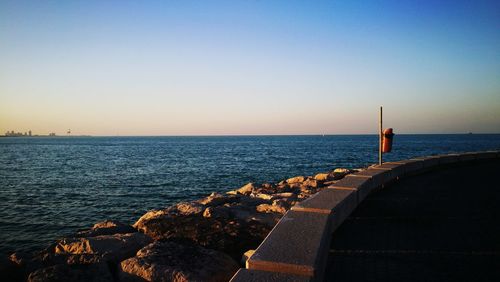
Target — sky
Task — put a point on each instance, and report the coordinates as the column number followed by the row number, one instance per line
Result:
column 249, row 67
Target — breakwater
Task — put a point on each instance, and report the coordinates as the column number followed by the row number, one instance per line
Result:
column 203, row 239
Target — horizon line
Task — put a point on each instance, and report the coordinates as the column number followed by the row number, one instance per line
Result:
column 250, row 135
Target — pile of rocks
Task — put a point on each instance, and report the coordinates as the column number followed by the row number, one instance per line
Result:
column 200, row 240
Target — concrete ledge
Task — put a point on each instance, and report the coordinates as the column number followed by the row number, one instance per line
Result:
column 410, row 166
column 467, row 157
column 428, row 162
column 297, row 245
column 449, row 159
column 249, row 275
column 398, row 170
column 362, row 185
column 489, row 155
column 339, row 202
column 378, row 176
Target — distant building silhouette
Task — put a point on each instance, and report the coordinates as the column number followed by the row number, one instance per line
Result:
column 28, row 133
column 15, row 134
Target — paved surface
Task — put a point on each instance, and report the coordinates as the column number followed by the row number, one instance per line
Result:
column 438, row 226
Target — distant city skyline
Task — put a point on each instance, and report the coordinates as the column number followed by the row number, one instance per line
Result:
column 249, row 67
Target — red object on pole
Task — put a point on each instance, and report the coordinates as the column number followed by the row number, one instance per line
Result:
column 387, row 137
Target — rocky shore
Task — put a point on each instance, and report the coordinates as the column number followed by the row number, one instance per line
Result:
column 202, row 240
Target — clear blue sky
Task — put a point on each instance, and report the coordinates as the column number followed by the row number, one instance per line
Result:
column 249, row 67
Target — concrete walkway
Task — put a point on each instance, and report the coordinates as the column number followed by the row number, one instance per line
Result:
column 438, row 226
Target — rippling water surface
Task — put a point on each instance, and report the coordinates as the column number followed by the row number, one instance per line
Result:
column 53, row 186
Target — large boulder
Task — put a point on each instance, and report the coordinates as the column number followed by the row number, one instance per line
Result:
column 262, row 196
column 189, row 208
column 335, row 174
column 322, row 176
column 107, row 227
column 296, row 179
column 252, row 201
column 267, row 208
column 246, row 189
column 103, row 248
column 230, row 227
column 311, row 182
column 170, row 261
column 75, row 273
column 242, row 213
column 286, row 195
column 216, row 199
column 339, row 173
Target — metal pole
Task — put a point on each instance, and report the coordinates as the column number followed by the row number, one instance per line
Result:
column 380, row 138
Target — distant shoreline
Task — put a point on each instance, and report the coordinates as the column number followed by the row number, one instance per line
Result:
column 243, row 135
column 45, row 136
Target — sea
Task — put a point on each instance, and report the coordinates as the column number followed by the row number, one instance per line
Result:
column 54, row 186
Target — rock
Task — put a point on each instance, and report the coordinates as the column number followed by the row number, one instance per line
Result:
column 246, row 189
column 106, row 228
column 19, row 258
column 302, row 196
column 311, row 183
column 267, row 208
column 284, row 195
column 152, row 214
column 216, row 212
column 342, row 170
column 31, row 262
column 75, row 273
column 296, row 179
column 264, row 219
column 170, row 261
column 284, row 203
column 181, row 209
column 102, row 248
column 290, row 201
column 283, row 188
column 306, row 189
column 246, row 256
column 268, row 188
column 262, row 196
column 241, row 229
column 252, row 201
column 216, row 199
column 242, row 213
column 280, row 206
column 186, row 208
column 339, row 173
column 322, row 177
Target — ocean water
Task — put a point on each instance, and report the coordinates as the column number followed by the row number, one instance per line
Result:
column 54, row 186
